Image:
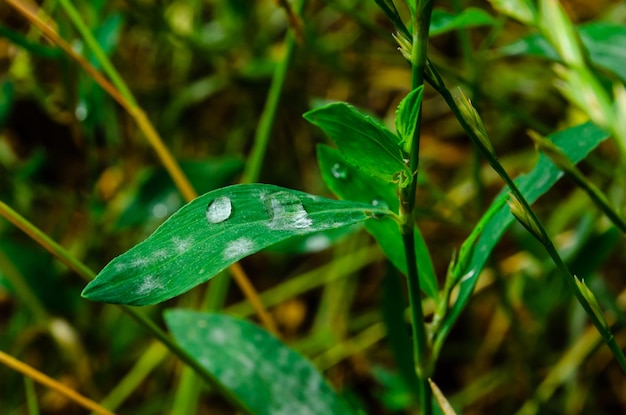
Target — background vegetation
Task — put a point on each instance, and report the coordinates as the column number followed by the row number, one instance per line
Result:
column 76, row 165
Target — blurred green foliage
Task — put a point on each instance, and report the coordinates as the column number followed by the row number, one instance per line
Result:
column 74, row 163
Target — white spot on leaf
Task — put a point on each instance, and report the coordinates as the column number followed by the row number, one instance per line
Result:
column 238, row 248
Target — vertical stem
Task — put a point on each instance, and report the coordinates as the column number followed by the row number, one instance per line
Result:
column 423, row 366
column 262, row 136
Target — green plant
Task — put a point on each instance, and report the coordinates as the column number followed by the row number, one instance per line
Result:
column 376, row 173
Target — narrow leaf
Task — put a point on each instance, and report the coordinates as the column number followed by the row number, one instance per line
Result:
column 408, row 113
column 443, row 21
column 363, row 141
column 605, row 43
column 576, row 143
column 264, row 374
column 212, row 232
column 522, row 10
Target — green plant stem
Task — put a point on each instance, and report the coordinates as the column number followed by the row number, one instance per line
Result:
column 99, row 54
column 87, row 274
column 423, row 366
column 543, row 237
column 264, row 131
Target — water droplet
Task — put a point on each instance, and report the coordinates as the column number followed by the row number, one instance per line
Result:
column 379, row 203
column 317, row 242
column 219, row 210
column 160, row 210
column 286, row 211
column 339, row 171
column 81, row 111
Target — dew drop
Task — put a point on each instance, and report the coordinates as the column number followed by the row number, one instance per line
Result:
column 339, row 171
column 160, row 210
column 317, row 242
column 219, row 210
column 81, row 111
column 286, row 212
column 379, row 203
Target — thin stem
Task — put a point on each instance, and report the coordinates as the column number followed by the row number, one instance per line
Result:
column 264, row 131
column 542, row 235
column 266, row 122
column 421, row 23
column 99, row 54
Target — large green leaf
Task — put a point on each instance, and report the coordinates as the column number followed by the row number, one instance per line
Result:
column 349, row 183
column 362, row 141
column 264, row 374
column 576, row 143
column 605, row 42
column 443, row 21
column 214, row 231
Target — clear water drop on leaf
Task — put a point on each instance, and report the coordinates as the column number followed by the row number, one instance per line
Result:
column 219, row 209
column 286, row 212
column 339, row 171
column 379, row 203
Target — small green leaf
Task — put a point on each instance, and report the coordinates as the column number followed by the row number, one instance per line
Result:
column 363, row 141
column 522, row 10
column 407, row 115
column 605, row 43
column 214, row 231
column 576, row 143
column 443, row 21
column 264, row 374
column 349, row 183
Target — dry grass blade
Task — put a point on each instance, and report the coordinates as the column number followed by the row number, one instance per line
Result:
column 37, row 376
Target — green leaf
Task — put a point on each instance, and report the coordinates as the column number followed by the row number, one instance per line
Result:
column 408, row 113
column 212, row 232
column 443, row 21
column 522, row 10
column 265, row 375
column 398, row 330
column 7, row 93
column 349, row 183
column 576, row 143
column 388, row 235
column 31, row 47
column 605, row 43
column 363, row 141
